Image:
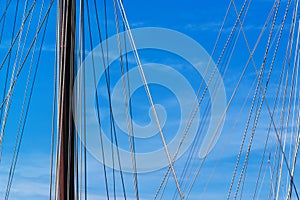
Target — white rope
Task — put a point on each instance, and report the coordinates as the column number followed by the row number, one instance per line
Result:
column 141, row 70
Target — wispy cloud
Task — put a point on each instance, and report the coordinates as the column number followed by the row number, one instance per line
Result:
column 215, row 27
column 211, row 26
column 31, row 178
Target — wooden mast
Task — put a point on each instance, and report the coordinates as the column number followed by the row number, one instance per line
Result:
column 67, row 30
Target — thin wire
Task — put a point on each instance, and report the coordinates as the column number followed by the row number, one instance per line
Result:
column 82, row 66
column 268, row 132
column 54, row 110
column 287, row 123
column 14, row 160
column 264, row 92
column 296, row 64
column 271, row 115
column 263, row 179
column 260, row 104
column 149, row 94
column 24, row 60
column 8, row 102
column 9, row 58
column 3, row 17
column 129, row 122
column 131, row 138
column 278, row 91
column 97, row 104
column 294, row 125
column 112, row 121
column 271, row 192
column 280, row 145
column 121, row 173
column 235, row 90
column 166, row 176
column 21, row 130
column 230, row 136
column 113, row 129
column 84, row 97
column 294, row 159
column 58, row 16
column 3, row 23
column 248, row 121
column 294, row 112
column 193, row 113
column 225, row 62
column 5, row 10
column 17, row 36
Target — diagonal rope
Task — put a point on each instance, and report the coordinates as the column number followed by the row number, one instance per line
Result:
column 9, row 95
column 129, row 120
column 289, row 104
column 251, row 54
column 3, row 17
column 26, row 110
column 17, row 143
column 9, row 58
column 297, row 137
column 131, row 138
column 250, row 58
column 226, row 61
column 251, row 109
column 193, row 113
column 263, row 97
column 25, row 58
column 5, row 10
column 17, row 36
column 149, row 95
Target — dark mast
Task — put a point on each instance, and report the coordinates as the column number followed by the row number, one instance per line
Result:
column 66, row 132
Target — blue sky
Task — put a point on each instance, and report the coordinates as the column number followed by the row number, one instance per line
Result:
column 201, row 21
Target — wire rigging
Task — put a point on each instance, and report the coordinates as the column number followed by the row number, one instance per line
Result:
column 149, row 95
column 128, row 118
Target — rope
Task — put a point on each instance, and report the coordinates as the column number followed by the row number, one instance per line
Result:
column 82, row 64
column 295, row 91
column 225, row 62
column 193, row 113
column 297, row 130
column 21, row 129
column 58, row 16
column 166, row 176
column 265, row 89
column 131, row 138
column 24, row 60
column 129, row 120
column 8, row 97
column 3, row 17
column 21, row 66
column 5, row 10
column 14, row 158
column 17, row 36
column 53, row 122
column 287, row 123
column 149, row 95
column 98, row 111
column 9, row 58
column 248, row 122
